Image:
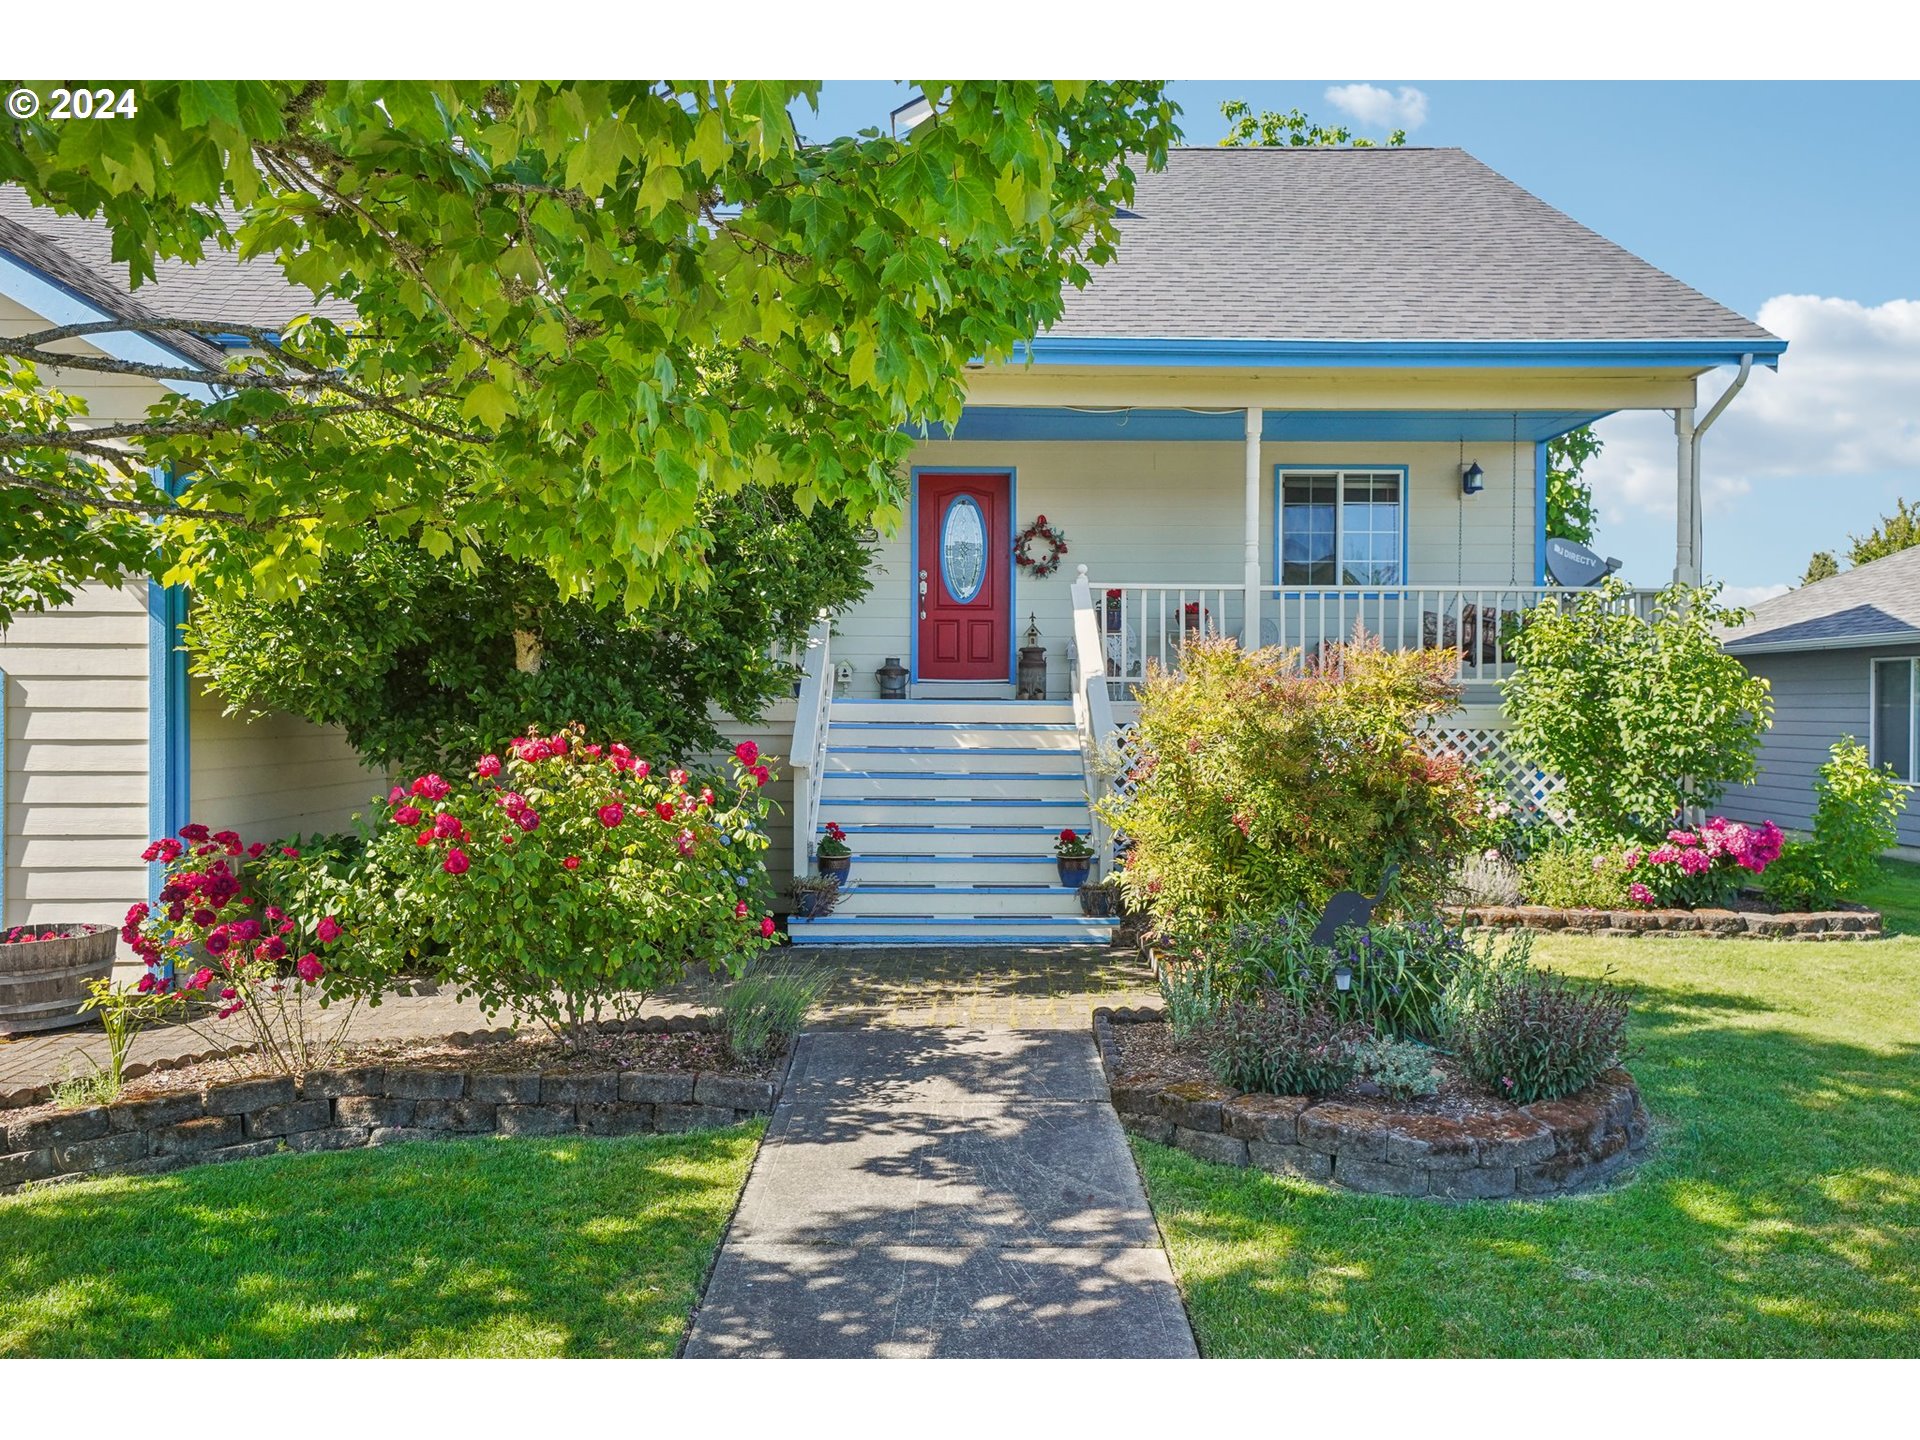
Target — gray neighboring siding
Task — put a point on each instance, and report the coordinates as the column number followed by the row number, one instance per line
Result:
column 1818, row 696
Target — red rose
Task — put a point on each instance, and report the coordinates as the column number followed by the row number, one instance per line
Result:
column 456, row 861
column 309, row 968
column 488, row 767
column 746, row 752
column 328, row 930
column 612, row 813
column 766, row 927
column 664, row 810
column 572, row 862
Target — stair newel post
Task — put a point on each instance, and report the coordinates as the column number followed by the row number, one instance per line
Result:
column 1092, row 707
column 808, row 762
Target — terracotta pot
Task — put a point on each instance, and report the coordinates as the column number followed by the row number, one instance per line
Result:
column 43, row 982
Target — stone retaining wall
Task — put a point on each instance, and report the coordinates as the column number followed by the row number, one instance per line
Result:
column 1554, row 1147
column 344, row 1109
column 1855, row 922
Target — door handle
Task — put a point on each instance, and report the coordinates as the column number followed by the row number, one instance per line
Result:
column 923, row 588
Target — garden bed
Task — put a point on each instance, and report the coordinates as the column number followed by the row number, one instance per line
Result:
column 1748, row 920
column 635, row 1081
column 1459, row 1144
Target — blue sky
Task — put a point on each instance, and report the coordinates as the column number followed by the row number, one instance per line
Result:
column 1747, row 191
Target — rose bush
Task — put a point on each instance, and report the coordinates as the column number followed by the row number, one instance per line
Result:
column 210, row 945
column 565, row 879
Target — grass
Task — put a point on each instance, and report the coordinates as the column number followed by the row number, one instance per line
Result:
column 1896, row 895
column 1779, row 1215
column 487, row 1247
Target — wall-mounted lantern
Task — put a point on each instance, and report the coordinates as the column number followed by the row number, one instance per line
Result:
column 1472, row 479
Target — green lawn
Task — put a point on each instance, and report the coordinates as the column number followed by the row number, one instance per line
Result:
column 1779, row 1215
column 473, row 1248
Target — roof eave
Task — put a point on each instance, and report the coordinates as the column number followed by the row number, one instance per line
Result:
column 1760, row 645
column 1372, row 354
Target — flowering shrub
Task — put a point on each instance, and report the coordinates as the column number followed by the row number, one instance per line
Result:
column 1701, row 867
column 210, row 945
column 1260, row 789
column 1574, row 874
column 564, row 878
column 833, row 844
column 1855, row 817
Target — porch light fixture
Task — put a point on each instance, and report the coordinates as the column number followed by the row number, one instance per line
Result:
column 1472, row 479
column 1342, row 978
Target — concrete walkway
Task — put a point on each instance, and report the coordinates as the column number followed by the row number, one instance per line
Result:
column 938, row 1191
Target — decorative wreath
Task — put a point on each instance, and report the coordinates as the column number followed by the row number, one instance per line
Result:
column 1046, row 564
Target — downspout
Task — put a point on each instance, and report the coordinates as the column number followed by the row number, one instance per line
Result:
column 1700, row 429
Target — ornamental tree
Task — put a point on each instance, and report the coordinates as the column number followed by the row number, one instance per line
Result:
column 1641, row 717
column 583, row 307
column 565, row 880
column 421, row 660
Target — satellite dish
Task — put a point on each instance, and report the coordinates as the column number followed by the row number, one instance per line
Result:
column 1575, row 566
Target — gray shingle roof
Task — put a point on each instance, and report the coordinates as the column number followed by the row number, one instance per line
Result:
column 78, row 253
column 1372, row 244
column 1869, row 604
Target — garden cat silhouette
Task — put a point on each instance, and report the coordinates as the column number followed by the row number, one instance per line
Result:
column 1350, row 907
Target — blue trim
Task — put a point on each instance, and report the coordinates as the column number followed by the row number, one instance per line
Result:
column 1680, row 354
column 29, row 286
column 168, row 756
column 1540, row 513
column 1280, row 472
column 913, row 566
column 1041, row 422
column 1047, row 860
column 980, row 520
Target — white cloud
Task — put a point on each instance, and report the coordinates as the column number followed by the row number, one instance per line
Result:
column 1747, row 596
column 1845, row 402
column 1381, row 108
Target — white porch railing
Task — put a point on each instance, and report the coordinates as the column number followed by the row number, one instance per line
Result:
column 1138, row 623
column 1092, row 712
column 808, row 762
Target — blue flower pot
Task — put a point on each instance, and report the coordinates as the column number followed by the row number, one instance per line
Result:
column 836, row 866
column 1074, row 873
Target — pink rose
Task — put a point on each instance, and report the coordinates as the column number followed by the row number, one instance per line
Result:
column 200, row 979
column 612, row 813
column 740, row 911
column 678, row 777
column 488, row 767
column 642, row 769
column 456, row 861
column 328, row 930
column 447, row 826
column 396, row 795
column 406, row 815
column 684, row 842
column 309, row 968
column 527, row 820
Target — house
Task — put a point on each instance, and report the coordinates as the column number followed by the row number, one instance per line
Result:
column 1840, row 656
column 1314, row 391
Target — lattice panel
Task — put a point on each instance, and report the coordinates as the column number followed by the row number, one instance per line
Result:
column 1530, row 789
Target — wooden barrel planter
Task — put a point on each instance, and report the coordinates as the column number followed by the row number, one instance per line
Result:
column 43, row 982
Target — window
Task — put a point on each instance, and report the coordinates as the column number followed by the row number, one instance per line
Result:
column 1893, row 716
column 1340, row 527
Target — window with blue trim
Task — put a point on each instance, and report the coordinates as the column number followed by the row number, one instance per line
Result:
column 1341, row 527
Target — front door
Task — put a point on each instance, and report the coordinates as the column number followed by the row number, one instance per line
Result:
column 963, row 593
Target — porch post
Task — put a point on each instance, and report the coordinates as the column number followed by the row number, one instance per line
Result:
column 1250, row 631
column 1686, row 551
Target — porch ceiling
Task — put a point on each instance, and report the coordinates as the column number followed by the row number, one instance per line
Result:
column 1060, row 422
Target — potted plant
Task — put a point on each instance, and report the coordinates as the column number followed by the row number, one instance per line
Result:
column 1100, row 899
column 835, row 855
column 1074, row 855
column 815, row 896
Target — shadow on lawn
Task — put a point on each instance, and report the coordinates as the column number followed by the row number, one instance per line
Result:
column 562, row 1246
column 1778, row 1215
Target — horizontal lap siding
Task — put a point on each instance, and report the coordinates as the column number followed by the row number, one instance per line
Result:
column 273, row 777
column 1151, row 511
column 1818, row 696
column 76, row 771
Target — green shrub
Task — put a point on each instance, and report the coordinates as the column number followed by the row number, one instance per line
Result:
column 1261, row 789
column 1856, row 816
column 1270, row 1044
column 766, row 1007
column 1574, row 874
column 1539, row 1036
column 1398, row 974
column 1192, row 992
column 1639, row 718
column 566, row 880
column 1402, row 1068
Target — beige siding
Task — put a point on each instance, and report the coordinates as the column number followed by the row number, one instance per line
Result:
column 1172, row 512
column 108, row 397
column 76, row 772
column 773, row 733
column 272, row 777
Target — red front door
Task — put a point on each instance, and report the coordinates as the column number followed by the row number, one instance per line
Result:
column 962, row 592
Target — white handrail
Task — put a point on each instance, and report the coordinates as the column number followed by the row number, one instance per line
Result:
column 1092, row 709
column 808, row 763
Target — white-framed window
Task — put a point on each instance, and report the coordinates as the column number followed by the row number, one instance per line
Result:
column 1895, row 719
column 1342, row 527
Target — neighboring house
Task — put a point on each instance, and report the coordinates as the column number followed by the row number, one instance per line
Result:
column 1315, row 390
column 1843, row 658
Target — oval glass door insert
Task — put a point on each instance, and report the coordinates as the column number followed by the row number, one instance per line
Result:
column 963, row 548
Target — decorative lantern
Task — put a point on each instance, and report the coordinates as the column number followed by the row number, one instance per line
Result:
column 1472, row 479
column 893, row 679
column 1033, row 664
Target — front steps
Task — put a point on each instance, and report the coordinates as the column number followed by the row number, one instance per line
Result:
column 952, row 808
